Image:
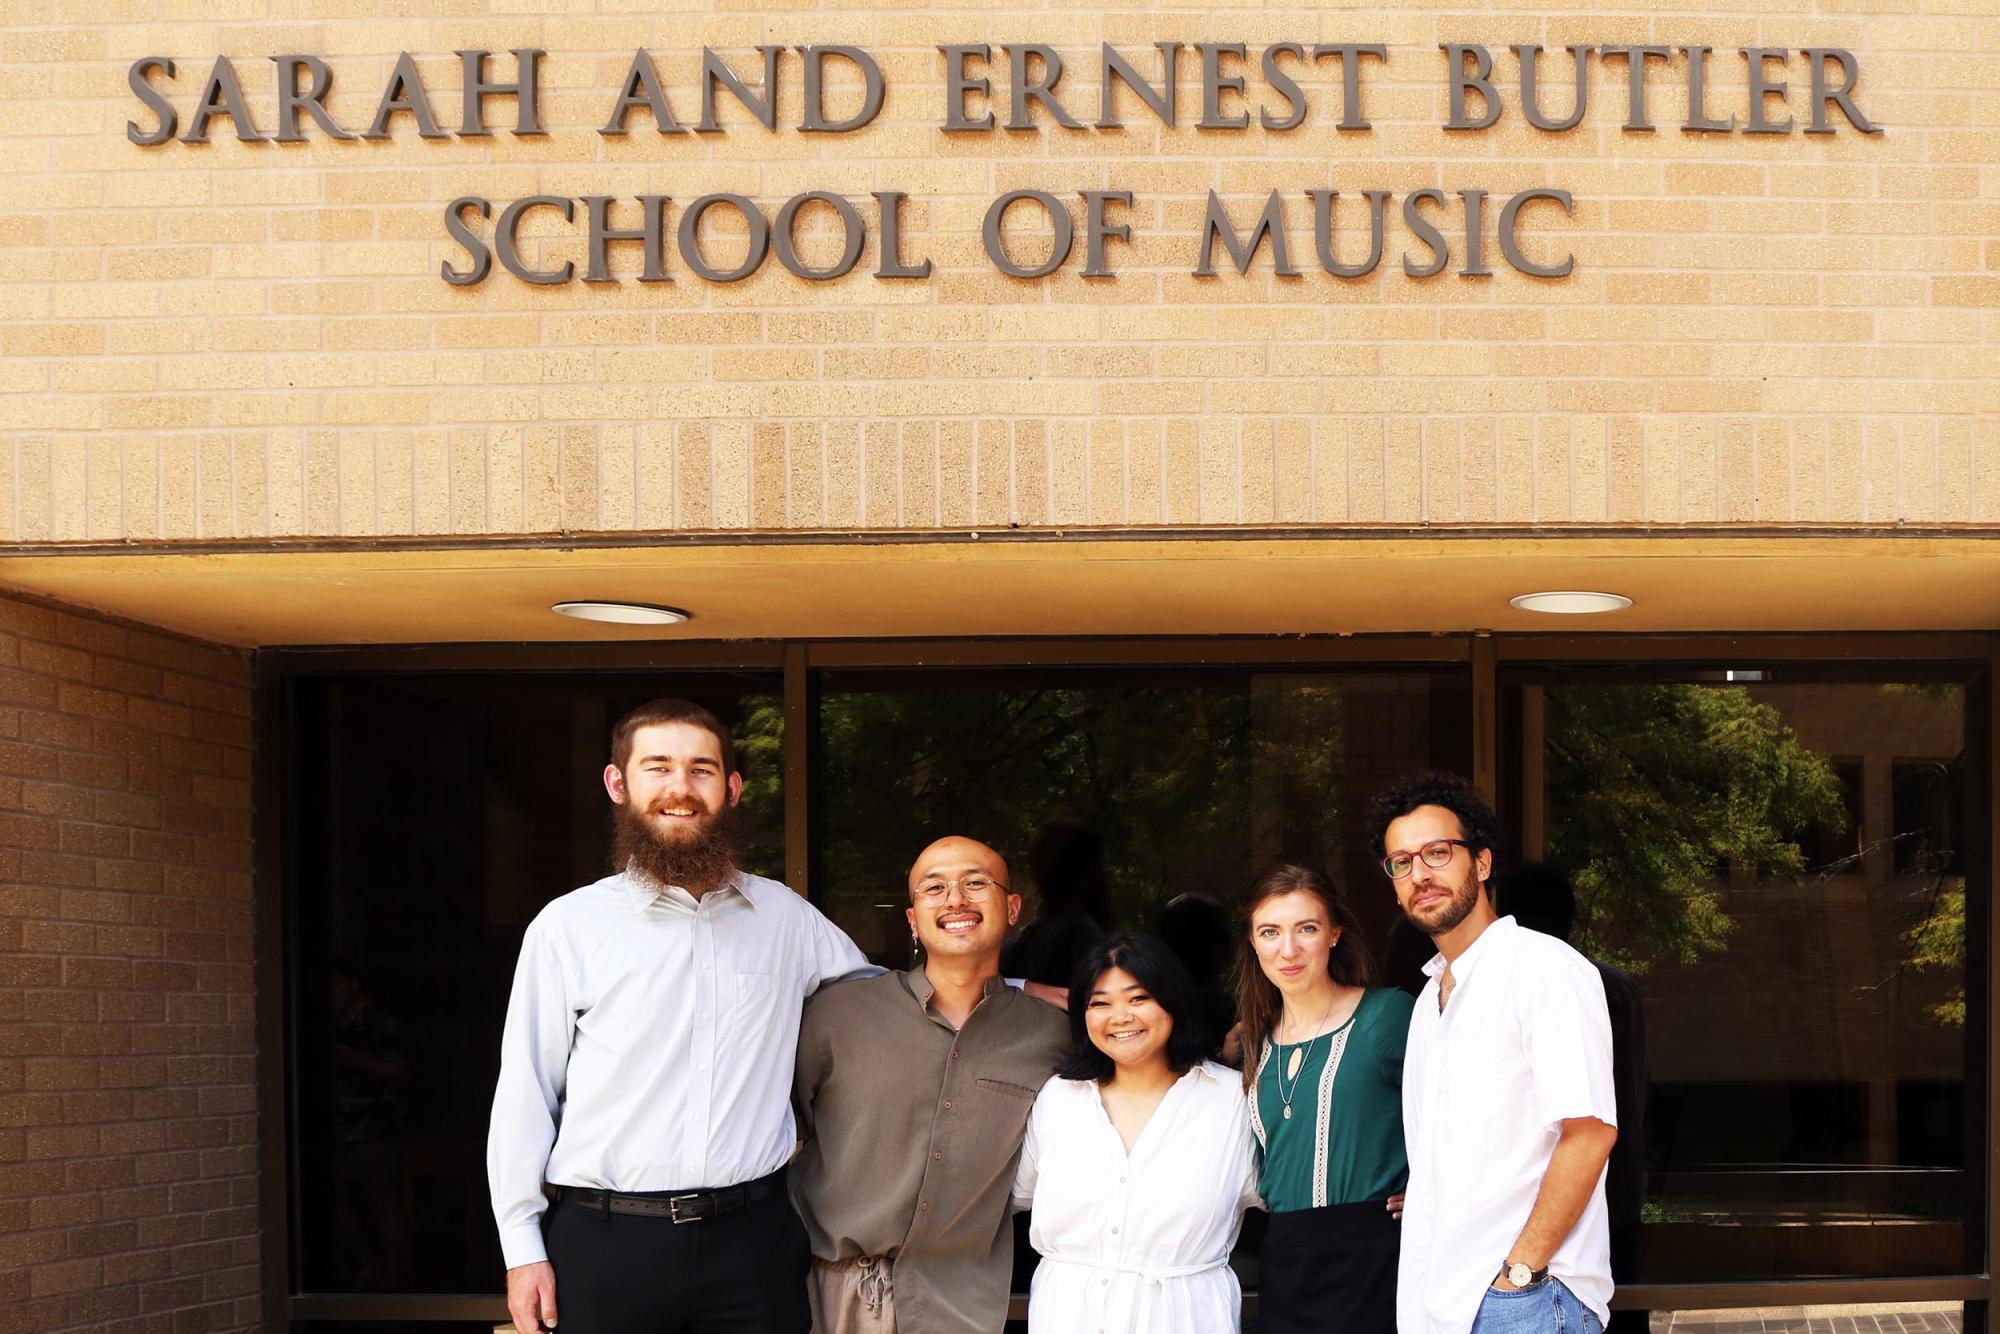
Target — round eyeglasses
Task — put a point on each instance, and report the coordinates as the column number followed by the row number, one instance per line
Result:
column 970, row 887
column 1436, row 853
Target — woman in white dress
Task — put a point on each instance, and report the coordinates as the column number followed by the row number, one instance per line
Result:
column 1139, row 1160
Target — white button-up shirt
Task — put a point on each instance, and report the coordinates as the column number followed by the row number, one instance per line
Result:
column 1138, row 1243
column 1523, row 1044
column 650, row 1042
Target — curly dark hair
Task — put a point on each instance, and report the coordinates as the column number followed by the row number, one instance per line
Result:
column 1476, row 820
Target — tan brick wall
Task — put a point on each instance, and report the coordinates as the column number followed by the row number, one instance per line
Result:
column 249, row 341
column 128, row 1194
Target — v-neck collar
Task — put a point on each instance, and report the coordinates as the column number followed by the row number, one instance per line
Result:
column 1131, row 1155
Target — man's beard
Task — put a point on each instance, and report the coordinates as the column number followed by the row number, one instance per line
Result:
column 697, row 861
column 1456, row 909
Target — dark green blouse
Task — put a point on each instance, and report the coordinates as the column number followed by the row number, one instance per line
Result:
column 1343, row 1143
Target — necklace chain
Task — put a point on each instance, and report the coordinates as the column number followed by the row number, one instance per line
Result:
column 1285, row 1095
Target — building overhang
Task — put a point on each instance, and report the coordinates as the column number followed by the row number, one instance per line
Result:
column 932, row 585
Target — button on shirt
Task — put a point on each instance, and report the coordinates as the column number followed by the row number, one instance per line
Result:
column 650, row 1041
column 912, row 1131
column 1138, row 1243
column 1523, row 1044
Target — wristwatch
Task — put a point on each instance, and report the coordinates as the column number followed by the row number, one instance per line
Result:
column 1521, row 1276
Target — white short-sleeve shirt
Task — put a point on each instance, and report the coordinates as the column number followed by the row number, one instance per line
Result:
column 1523, row 1045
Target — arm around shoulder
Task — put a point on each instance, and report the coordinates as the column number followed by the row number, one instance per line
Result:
column 833, row 955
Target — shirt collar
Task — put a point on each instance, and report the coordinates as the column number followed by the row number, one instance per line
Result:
column 646, row 893
column 919, row 985
column 1462, row 966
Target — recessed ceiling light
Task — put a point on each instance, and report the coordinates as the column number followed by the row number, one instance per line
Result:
column 621, row 613
column 1570, row 602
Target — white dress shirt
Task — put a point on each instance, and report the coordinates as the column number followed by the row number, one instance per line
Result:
column 1523, row 1044
column 1138, row 1244
column 650, row 1042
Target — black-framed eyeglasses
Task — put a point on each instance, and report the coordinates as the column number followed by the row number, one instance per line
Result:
column 1436, row 853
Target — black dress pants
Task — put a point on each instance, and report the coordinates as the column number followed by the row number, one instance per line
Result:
column 738, row 1273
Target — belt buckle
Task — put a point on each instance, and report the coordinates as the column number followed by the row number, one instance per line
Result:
column 674, row 1208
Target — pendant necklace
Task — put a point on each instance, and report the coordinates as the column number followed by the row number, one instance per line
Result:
column 1297, row 1060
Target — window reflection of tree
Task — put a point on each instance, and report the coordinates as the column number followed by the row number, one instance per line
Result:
column 1188, row 784
column 1688, row 810
column 1654, row 790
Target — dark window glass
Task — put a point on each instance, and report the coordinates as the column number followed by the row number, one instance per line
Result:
column 429, row 818
column 1784, row 896
column 1833, row 844
column 1113, row 792
column 1928, row 795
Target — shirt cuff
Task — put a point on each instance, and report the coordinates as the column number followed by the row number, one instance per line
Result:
column 522, row 1245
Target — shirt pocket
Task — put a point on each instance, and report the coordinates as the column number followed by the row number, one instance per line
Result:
column 1007, row 1105
column 1002, row 1086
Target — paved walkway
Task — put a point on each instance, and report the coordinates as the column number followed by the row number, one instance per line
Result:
column 1882, row 1318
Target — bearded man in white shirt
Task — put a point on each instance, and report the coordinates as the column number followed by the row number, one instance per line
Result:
column 1509, row 1106
column 646, row 1065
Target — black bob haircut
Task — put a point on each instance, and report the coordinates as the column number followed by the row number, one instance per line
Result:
column 1154, row 967
column 1476, row 820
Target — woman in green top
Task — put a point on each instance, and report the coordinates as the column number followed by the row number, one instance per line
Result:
column 1323, row 1066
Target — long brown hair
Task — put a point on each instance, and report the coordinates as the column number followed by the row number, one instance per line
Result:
column 1258, row 1003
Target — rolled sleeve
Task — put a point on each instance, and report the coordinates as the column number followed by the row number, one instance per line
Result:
column 1567, row 1032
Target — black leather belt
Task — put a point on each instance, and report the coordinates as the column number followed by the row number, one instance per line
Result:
column 681, row 1206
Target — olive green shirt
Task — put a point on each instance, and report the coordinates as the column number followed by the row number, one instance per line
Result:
column 912, row 1132
column 1343, row 1143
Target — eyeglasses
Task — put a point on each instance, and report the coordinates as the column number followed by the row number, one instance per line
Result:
column 975, row 886
column 1435, row 854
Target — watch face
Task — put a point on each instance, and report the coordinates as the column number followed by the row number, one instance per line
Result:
column 1520, row 1275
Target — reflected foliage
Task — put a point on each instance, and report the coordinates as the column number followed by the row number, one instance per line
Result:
column 760, row 753
column 1654, row 791
column 1937, row 943
column 1182, row 783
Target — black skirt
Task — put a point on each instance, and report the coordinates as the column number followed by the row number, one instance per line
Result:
column 1329, row 1271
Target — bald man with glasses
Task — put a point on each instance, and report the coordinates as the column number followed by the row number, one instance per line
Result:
column 912, row 1094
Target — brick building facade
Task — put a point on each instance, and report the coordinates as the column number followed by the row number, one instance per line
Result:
column 245, row 411
column 130, row 1084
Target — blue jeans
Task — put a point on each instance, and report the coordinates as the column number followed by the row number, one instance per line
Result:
column 1545, row 1308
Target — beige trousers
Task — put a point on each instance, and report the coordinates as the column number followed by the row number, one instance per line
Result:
column 852, row 1296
